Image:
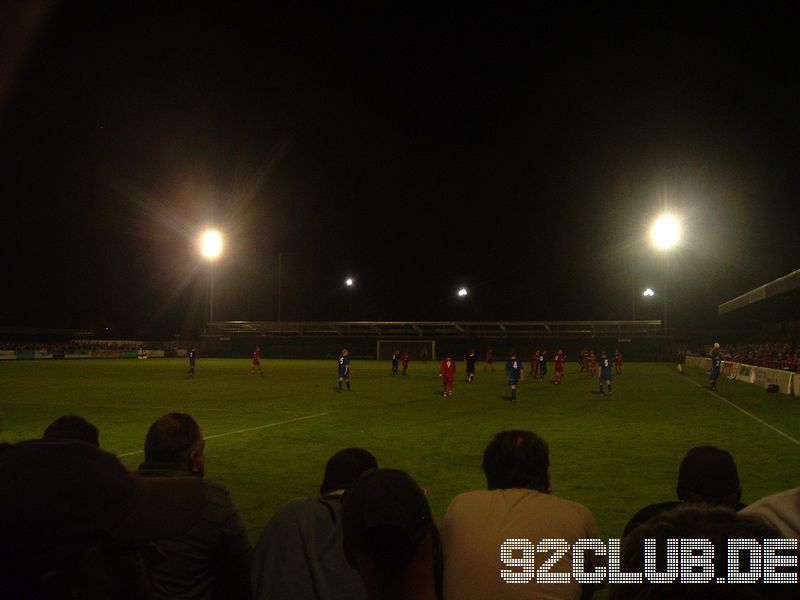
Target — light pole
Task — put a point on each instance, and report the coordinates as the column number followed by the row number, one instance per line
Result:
column 633, row 290
column 211, row 249
column 348, row 284
column 665, row 234
column 280, row 262
column 463, row 303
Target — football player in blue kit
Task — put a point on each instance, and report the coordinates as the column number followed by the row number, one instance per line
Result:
column 716, row 364
column 516, row 373
column 344, row 369
column 605, row 372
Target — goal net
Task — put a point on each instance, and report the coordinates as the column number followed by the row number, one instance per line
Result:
column 417, row 349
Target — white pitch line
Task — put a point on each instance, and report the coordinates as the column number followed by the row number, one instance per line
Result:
column 219, row 435
column 749, row 414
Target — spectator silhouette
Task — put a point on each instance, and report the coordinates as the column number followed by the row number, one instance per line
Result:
column 76, row 523
column 300, row 555
column 212, row 559
column 717, row 525
column 782, row 510
column 517, row 504
column 390, row 536
column 73, row 427
column 707, row 474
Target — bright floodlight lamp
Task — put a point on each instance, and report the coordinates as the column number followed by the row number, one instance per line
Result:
column 665, row 232
column 462, row 292
column 211, row 244
column 349, row 282
column 648, row 293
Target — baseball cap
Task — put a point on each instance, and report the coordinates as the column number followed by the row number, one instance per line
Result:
column 708, row 474
column 58, row 491
column 385, row 514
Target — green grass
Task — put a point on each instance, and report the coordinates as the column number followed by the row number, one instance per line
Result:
column 612, row 454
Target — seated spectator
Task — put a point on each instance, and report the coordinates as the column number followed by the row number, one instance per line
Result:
column 300, row 553
column 76, row 523
column 517, row 504
column 782, row 510
column 707, row 474
column 695, row 521
column 73, row 427
column 390, row 537
column 212, row 559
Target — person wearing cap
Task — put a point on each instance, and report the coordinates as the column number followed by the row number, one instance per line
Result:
column 715, row 525
column 707, row 475
column 299, row 555
column 390, row 537
column 518, row 504
column 76, row 523
column 212, row 558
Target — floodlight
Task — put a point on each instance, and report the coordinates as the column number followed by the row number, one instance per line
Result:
column 462, row 292
column 349, row 282
column 211, row 244
column 665, row 232
column 648, row 293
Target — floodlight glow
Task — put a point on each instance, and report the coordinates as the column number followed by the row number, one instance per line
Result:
column 648, row 293
column 211, row 244
column 666, row 232
column 462, row 292
column 349, row 282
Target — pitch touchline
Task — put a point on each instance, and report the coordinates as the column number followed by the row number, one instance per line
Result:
column 749, row 414
column 219, row 435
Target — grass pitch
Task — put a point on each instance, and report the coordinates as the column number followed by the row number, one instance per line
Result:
column 269, row 436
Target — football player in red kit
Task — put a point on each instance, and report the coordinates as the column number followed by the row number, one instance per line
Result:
column 617, row 363
column 535, row 365
column 560, row 358
column 256, row 362
column 592, row 364
column 489, row 361
column 447, row 371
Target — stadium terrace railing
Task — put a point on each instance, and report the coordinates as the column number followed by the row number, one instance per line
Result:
column 422, row 329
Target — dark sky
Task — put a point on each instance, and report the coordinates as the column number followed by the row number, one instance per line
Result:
column 520, row 152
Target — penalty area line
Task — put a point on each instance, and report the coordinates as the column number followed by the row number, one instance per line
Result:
column 749, row 414
column 227, row 433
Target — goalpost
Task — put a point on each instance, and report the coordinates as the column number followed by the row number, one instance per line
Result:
column 417, row 349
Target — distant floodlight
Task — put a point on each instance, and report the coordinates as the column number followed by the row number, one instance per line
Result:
column 211, row 244
column 349, row 282
column 462, row 292
column 666, row 232
column 648, row 293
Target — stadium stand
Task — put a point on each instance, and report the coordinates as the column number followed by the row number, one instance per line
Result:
column 638, row 340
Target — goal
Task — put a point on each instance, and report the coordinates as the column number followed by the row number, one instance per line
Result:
column 417, row 349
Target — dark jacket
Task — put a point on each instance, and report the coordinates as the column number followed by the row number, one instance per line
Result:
column 212, row 559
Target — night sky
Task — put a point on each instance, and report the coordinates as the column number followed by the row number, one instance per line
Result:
column 520, row 152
